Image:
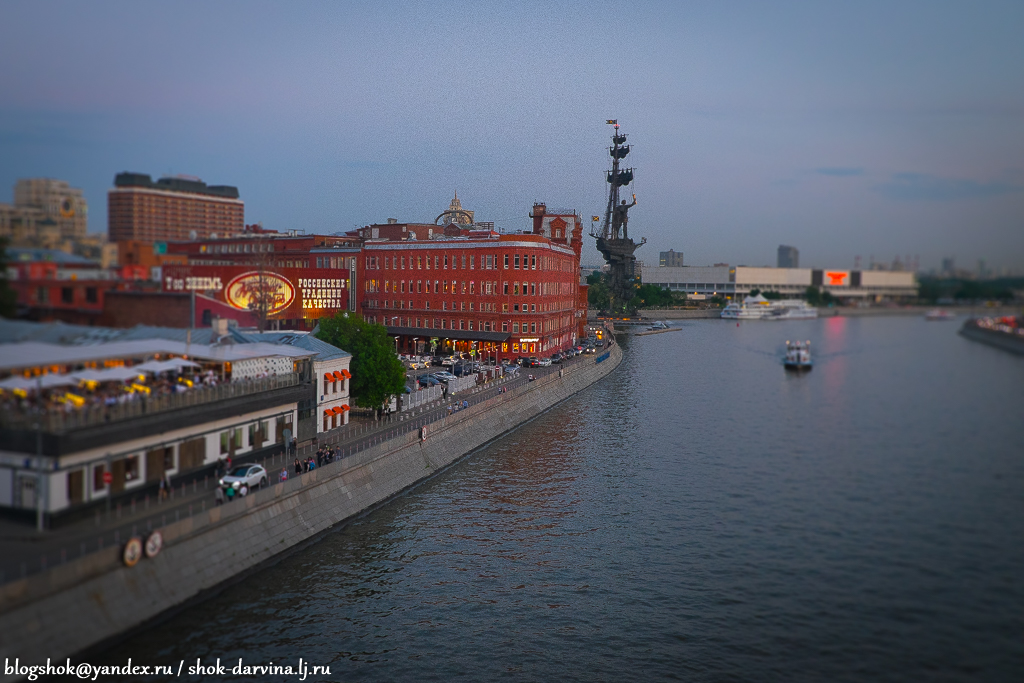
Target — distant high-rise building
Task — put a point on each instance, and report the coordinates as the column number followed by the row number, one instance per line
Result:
column 45, row 213
column 172, row 209
column 789, row 257
column 670, row 259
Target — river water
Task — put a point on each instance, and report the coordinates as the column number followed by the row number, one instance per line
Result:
column 701, row 514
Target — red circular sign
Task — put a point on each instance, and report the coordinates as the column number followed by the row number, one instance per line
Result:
column 108, row 478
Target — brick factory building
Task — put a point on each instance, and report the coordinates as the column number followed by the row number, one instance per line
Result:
column 437, row 288
column 172, row 209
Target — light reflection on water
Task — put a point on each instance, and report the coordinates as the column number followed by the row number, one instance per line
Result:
column 702, row 514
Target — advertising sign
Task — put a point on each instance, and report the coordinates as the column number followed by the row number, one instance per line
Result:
column 245, row 290
column 837, row 278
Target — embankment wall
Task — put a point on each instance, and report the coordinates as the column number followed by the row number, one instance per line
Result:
column 85, row 602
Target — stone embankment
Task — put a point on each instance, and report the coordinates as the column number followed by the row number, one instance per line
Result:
column 85, row 602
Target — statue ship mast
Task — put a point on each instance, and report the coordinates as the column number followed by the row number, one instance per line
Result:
column 614, row 241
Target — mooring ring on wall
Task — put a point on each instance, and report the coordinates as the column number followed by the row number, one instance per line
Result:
column 132, row 552
column 154, row 544
column 423, row 433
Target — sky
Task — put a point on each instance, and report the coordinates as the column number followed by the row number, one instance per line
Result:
column 870, row 129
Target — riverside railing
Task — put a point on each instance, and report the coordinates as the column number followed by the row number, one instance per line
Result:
column 88, row 416
column 141, row 516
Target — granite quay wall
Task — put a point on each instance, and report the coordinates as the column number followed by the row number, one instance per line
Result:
column 77, row 605
column 1000, row 340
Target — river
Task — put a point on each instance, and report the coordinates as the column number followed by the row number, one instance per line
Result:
column 701, row 514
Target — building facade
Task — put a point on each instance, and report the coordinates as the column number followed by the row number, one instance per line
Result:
column 172, row 209
column 670, row 259
column 699, row 282
column 45, row 213
column 789, row 257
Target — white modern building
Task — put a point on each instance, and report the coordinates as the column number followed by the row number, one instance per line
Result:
column 118, row 416
column 728, row 282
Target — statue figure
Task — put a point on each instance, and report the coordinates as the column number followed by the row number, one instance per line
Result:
column 620, row 219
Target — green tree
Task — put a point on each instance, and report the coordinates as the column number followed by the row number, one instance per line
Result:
column 597, row 292
column 377, row 374
column 652, row 296
column 813, row 295
column 8, row 297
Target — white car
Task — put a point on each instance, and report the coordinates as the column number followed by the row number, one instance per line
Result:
column 444, row 375
column 250, row 475
column 544, row 362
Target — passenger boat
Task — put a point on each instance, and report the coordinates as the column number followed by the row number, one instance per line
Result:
column 759, row 308
column 939, row 314
column 798, row 356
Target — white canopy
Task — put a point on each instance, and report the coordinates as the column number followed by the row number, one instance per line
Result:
column 17, row 382
column 107, row 375
column 165, row 365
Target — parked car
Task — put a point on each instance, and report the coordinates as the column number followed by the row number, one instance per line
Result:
column 427, row 381
column 444, row 376
column 448, row 362
column 544, row 362
column 249, row 475
column 557, row 357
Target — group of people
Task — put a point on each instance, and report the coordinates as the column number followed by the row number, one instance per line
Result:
column 323, row 456
column 457, row 406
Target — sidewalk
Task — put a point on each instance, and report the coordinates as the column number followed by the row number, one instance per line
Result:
column 27, row 551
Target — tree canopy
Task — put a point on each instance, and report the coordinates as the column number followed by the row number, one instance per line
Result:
column 377, row 374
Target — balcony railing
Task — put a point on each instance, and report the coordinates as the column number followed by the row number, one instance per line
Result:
column 58, row 421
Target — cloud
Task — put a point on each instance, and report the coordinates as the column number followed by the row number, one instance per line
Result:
column 925, row 187
column 840, row 171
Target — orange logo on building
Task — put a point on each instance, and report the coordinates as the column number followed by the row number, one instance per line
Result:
column 837, row 279
column 245, row 291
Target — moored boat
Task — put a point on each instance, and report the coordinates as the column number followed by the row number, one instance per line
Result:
column 760, row 308
column 939, row 314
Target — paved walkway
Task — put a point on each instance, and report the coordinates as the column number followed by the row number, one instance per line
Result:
column 26, row 551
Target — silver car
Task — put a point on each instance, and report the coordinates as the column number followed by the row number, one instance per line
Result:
column 249, row 475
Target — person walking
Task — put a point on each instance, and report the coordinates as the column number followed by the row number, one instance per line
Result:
column 218, row 496
column 283, row 477
column 298, row 467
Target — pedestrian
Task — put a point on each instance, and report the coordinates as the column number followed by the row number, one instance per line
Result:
column 295, row 446
column 283, row 477
column 218, row 496
column 244, row 490
column 230, row 492
column 163, row 489
column 298, row 467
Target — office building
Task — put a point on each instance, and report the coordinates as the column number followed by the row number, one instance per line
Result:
column 178, row 208
column 45, row 214
column 789, row 257
column 670, row 259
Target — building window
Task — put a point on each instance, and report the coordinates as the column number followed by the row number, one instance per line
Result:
column 504, row 326
column 504, row 308
column 504, row 288
column 97, row 477
column 470, row 325
column 533, row 262
column 462, row 324
column 533, row 289
column 533, row 308
column 67, row 295
column 463, row 261
column 506, row 261
column 515, row 328
column 516, row 261
column 472, row 264
column 533, row 327
column 446, row 261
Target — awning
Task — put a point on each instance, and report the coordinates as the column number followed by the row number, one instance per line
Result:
column 464, row 335
column 338, row 376
column 345, row 407
column 329, row 411
column 346, row 374
column 328, row 377
column 336, row 410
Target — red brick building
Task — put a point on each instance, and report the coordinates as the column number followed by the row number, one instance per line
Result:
column 171, row 209
column 466, row 290
column 436, row 288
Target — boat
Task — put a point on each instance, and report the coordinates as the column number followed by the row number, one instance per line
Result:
column 658, row 325
column 759, row 308
column 939, row 314
column 798, row 356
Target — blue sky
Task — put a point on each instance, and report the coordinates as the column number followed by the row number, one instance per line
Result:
column 870, row 128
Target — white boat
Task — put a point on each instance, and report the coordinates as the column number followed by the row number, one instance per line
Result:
column 939, row 314
column 759, row 308
column 798, row 356
column 659, row 325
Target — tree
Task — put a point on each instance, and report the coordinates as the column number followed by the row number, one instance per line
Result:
column 652, row 296
column 8, row 297
column 377, row 374
column 598, row 296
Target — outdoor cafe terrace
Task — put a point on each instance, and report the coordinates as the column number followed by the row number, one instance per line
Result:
column 59, row 387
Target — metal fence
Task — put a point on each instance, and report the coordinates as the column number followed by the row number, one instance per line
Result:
column 88, row 416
